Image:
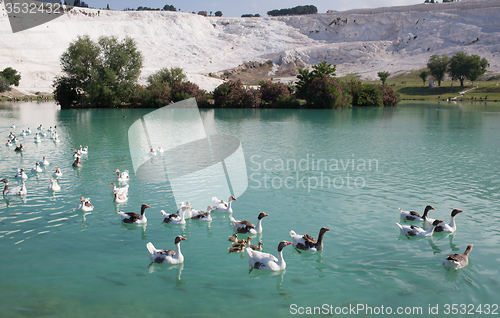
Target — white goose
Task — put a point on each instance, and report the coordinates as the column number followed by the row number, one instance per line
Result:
column 54, row 186
column 122, row 176
column 242, row 226
column 166, row 256
column 36, row 168
column 8, row 143
column 189, row 211
column 160, row 149
column 458, row 261
column 222, row 206
column 174, row 218
column 17, row 190
column 84, row 150
column 266, row 261
column 414, row 216
column 28, row 131
column 307, row 242
column 412, row 230
column 152, row 152
column 85, row 205
column 443, row 226
column 134, row 218
column 37, row 138
column 57, row 173
column 20, row 174
column 44, row 162
column 204, row 216
column 119, row 197
column 119, row 190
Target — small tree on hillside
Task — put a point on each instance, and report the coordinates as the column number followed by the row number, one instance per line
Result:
column 423, row 75
column 383, row 76
column 218, row 13
column 438, row 66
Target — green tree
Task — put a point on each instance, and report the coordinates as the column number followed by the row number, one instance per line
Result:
column 218, row 13
column 423, row 75
column 11, row 76
column 438, row 66
column 100, row 74
column 167, row 76
column 306, row 77
column 464, row 66
column 383, row 76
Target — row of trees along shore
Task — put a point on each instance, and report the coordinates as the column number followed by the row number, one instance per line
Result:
column 460, row 66
column 105, row 74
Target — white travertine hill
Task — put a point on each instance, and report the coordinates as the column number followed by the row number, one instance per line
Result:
column 363, row 41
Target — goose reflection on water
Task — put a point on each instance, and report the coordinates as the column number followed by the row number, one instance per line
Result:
column 159, row 268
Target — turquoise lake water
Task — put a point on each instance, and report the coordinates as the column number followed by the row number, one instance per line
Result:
column 348, row 170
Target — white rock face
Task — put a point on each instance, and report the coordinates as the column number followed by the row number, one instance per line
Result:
column 357, row 41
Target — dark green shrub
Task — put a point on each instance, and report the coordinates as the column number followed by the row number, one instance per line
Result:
column 325, row 92
column 234, row 94
column 364, row 94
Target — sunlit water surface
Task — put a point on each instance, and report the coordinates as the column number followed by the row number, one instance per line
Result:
column 348, row 170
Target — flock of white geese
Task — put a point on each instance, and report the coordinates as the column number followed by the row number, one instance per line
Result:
column 257, row 258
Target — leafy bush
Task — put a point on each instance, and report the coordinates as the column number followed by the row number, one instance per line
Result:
column 185, row 90
column 389, row 96
column 234, row 94
column 364, row 95
column 151, row 96
column 325, row 92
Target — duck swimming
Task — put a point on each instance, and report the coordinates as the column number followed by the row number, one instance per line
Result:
column 458, row 261
column 266, row 261
column 20, row 174
column 134, row 218
column 166, row 256
column 414, row 216
column 242, row 226
column 17, row 190
column 307, row 242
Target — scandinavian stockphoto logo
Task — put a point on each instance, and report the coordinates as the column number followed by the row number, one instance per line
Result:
column 173, row 145
column 26, row 14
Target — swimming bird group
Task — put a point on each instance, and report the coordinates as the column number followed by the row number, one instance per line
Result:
column 258, row 259
column 432, row 226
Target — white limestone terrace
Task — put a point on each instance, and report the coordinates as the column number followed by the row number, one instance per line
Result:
column 363, row 41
